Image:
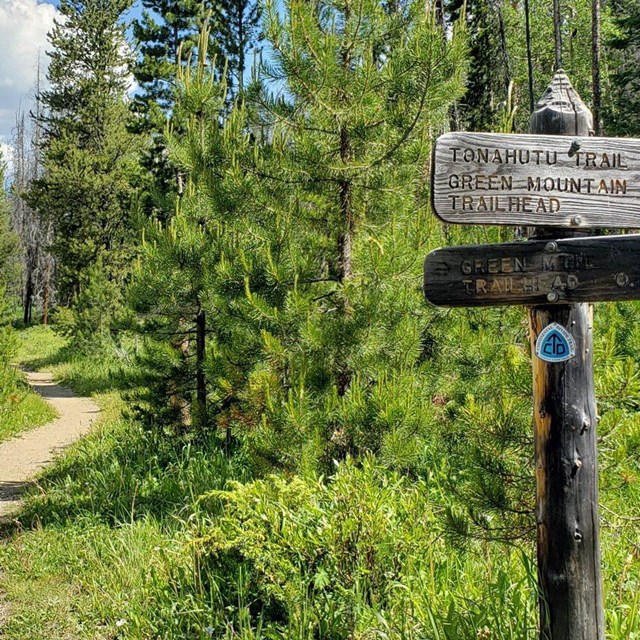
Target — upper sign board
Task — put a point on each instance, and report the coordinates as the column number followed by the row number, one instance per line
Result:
column 563, row 181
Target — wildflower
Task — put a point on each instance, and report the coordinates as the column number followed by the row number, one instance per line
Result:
column 121, row 622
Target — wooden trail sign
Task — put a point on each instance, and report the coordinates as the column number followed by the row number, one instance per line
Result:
column 558, row 272
column 573, row 181
column 592, row 269
column 564, row 424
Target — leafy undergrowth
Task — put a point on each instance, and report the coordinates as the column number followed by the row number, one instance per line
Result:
column 136, row 535
column 20, row 408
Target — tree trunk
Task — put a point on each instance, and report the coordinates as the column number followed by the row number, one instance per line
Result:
column 46, row 293
column 241, row 44
column 201, row 381
column 28, row 299
column 505, row 51
column 439, row 9
column 177, row 399
column 345, row 239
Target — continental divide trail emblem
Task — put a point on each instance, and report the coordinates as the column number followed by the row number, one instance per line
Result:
column 555, row 344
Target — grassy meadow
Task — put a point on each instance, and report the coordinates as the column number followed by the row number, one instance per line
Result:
column 133, row 535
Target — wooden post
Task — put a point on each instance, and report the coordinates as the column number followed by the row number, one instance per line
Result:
column 569, row 571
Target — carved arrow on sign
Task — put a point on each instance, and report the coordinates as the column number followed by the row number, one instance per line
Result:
column 441, row 268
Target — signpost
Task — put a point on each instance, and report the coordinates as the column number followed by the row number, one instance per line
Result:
column 576, row 182
column 543, row 272
column 562, row 186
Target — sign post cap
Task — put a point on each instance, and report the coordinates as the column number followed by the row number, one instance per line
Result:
column 561, row 111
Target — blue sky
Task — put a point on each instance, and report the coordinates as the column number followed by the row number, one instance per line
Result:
column 23, row 37
column 24, row 25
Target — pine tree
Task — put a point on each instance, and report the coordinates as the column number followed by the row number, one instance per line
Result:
column 359, row 89
column 623, row 116
column 178, row 285
column 167, row 36
column 513, row 54
column 89, row 160
column 237, row 22
column 490, row 72
column 166, row 33
column 89, row 67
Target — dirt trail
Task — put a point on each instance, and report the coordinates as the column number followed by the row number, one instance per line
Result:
column 22, row 457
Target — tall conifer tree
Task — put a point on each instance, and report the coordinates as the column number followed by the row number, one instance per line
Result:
column 624, row 117
column 166, row 32
column 238, row 24
column 362, row 95
column 187, row 278
column 350, row 98
column 89, row 161
column 167, row 35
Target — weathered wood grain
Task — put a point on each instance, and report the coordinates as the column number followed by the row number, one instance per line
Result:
column 569, row 566
column 560, row 271
column 564, row 417
column 572, row 181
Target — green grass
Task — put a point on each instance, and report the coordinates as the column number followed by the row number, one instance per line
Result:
column 20, row 408
column 40, row 347
column 80, row 581
column 99, row 535
column 25, row 410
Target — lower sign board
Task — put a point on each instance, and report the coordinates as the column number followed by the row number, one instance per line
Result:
column 592, row 269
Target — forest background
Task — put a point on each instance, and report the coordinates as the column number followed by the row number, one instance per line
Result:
column 228, row 255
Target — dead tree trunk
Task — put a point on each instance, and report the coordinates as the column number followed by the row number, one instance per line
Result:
column 569, row 568
column 557, row 33
column 595, row 66
column 527, row 26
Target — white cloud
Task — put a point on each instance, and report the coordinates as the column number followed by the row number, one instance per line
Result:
column 24, row 25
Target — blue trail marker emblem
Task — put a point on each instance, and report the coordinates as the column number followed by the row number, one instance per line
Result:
column 555, row 344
